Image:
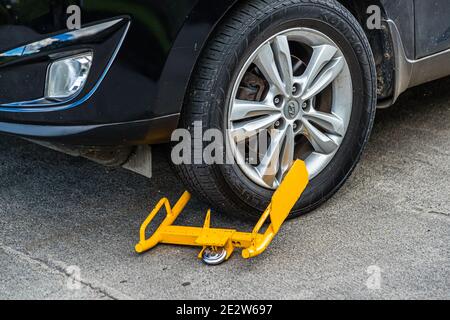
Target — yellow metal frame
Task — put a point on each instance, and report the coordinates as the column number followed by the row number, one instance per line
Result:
column 253, row 244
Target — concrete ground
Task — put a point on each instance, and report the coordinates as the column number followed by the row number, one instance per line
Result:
column 386, row 234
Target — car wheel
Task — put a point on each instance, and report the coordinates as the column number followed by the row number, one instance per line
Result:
column 304, row 71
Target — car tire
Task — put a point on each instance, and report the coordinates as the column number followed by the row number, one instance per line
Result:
column 227, row 187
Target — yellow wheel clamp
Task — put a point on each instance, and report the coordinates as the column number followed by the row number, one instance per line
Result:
column 219, row 244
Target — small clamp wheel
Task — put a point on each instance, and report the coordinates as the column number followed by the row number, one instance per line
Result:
column 214, row 256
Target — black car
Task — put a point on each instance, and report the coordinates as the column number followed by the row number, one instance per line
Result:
column 133, row 71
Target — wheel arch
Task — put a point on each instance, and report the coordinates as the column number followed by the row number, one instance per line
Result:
column 185, row 53
column 381, row 44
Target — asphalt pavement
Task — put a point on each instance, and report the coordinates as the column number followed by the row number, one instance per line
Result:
column 385, row 235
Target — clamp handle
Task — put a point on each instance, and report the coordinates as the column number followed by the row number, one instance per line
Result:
column 283, row 200
column 172, row 214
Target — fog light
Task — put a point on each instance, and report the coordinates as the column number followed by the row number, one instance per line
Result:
column 66, row 77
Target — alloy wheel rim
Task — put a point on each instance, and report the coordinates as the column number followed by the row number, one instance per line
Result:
column 301, row 123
